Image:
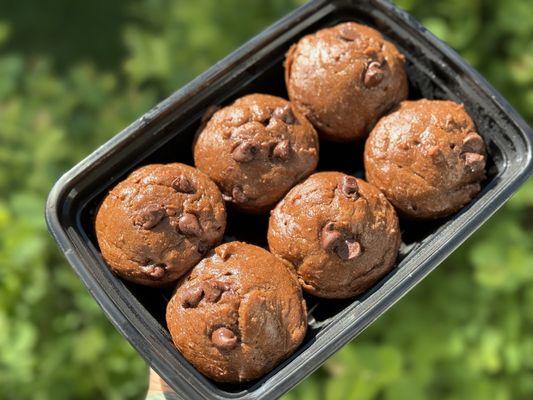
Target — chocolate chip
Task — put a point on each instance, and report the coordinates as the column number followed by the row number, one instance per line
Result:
column 282, row 151
column 348, row 187
column 348, row 249
column 330, row 237
column 244, row 152
column 285, row 114
column 192, row 296
column 212, row 294
column 156, row 271
column 472, row 143
column 348, row 33
column 374, row 74
column 189, row 225
column 238, row 195
column 149, row 217
column 213, row 290
column 474, row 161
column 335, row 242
column 224, row 338
column 183, row 185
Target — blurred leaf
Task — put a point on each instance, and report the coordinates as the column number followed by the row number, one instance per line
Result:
column 4, row 32
column 466, row 332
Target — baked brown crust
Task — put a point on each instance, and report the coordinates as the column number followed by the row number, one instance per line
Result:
column 426, row 157
column 238, row 313
column 255, row 150
column 159, row 222
column 340, row 233
column 344, row 78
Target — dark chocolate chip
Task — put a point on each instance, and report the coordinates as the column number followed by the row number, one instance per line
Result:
column 472, row 143
column 183, row 185
column 192, row 296
column 348, row 187
column 285, row 114
column 188, row 224
column 348, row 33
column 330, row 237
column 282, row 151
column 348, row 249
column 224, row 338
column 156, row 271
column 374, row 74
column 474, row 162
column 244, row 152
column 149, row 217
column 212, row 293
column 213, row 290
column 238, row 195
column 335, row 242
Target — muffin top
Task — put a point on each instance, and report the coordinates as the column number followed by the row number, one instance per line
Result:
column 255, row 150
column 340, row 233
column 238, row 313
column 158, row 223
column 344, row 78
column 426, row 157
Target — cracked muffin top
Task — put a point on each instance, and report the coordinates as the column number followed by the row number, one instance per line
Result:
column 344, row 78
column 255, row 150
column 426, row 157
column 237, row 314
column 340, row 233
column 159, row 222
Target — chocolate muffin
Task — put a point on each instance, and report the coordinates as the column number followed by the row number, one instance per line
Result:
column 159, row 222
column 238, row 313
column 255, row 150
column 340, row 233
column 344, row 78
column 426, row 157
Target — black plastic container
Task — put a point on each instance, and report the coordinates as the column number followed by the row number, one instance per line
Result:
column 164, row 134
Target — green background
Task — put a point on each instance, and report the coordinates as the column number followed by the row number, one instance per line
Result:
column 74, row 73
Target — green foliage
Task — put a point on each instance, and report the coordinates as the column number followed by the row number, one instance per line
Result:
column 54, row 342
column 465, row 332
